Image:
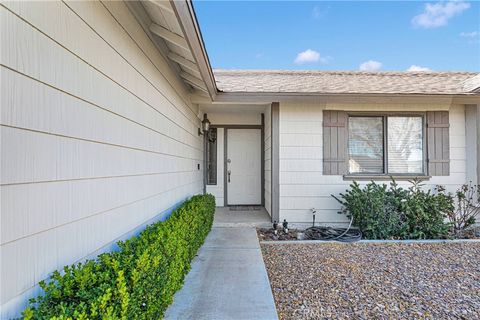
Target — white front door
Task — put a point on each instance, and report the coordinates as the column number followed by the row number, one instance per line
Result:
column 244, row 178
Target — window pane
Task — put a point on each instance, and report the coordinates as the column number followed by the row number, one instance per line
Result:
column 405, row 145
column 212, row 157
column 365, row 144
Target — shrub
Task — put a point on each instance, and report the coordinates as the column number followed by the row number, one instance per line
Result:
column 468, row 208
column 425, row 212
column 392, row 212
column 136, row 282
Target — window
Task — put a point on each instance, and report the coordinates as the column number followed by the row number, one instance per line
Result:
column 365, row 144
column 391, row 145
column 212, row 157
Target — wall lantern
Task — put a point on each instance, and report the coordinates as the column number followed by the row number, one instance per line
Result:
column 205, row 126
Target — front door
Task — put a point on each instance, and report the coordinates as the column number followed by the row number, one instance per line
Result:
column 244, row 179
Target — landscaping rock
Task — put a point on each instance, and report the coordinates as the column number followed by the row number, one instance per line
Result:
column 375, row 281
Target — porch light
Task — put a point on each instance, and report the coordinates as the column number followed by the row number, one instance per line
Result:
column 205, row 125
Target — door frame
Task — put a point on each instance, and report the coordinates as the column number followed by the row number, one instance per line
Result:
column 225, row 155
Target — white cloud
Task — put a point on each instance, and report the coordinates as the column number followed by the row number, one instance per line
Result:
column 370, row 65
column 310, row 56
column 319, row 12
column 437, row 14
column 472, row 34
column 418, row 68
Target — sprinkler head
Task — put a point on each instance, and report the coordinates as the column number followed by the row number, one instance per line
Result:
column 275, row 226
column 285, row 225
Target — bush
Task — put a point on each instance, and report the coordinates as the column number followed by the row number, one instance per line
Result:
column 383, row 212
column 468, row 208
column 136, row 282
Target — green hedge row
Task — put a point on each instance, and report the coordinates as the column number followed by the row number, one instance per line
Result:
column 136, row 282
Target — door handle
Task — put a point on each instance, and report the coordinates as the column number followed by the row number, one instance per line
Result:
column 229, row 172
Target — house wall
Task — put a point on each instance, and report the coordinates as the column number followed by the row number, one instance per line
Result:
column 302, row 183
column 98, row 137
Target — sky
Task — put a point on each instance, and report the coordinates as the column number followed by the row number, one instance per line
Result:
column 342, row 35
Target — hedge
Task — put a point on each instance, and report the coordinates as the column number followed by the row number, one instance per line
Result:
column 136, row 282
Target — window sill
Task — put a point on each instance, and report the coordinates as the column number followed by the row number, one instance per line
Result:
column 369, row 177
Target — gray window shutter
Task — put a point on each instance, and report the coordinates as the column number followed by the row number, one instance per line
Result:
column 438, row 143
column 334, row 142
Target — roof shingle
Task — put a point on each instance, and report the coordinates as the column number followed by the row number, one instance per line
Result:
column 342, row 82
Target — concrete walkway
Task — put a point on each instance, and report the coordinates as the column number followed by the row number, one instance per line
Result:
column 228, row 280
column 225, row 217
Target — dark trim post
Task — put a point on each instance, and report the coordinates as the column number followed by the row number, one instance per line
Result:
column 478, row 144
column 225, row 158
column 471, row 143
column 275, row 158
column 204, row 157
column 262, row 158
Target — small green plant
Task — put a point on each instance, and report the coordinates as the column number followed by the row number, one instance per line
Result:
column 467, row 208
column 136, row 282
column 426, row 212
column 392, row 212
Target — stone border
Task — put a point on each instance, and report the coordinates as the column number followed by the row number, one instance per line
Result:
column 372, row 241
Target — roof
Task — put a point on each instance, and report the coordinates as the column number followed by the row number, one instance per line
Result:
column 343, row 82
column 173, row 28
column 472, row 84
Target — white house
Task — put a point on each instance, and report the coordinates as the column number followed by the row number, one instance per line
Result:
column 101, row 131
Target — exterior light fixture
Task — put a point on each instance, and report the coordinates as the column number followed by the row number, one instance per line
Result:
column 275, row 225
column 205, row 126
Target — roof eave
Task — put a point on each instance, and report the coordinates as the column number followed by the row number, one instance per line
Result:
column 185, row 14
column 353, row 98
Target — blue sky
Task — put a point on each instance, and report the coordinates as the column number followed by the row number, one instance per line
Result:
column 342, row 35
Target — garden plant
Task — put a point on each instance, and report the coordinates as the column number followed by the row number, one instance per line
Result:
column 393, row 212
column 467, row 209
column 136, row 282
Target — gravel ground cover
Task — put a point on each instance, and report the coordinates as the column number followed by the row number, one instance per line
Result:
column 375, row 281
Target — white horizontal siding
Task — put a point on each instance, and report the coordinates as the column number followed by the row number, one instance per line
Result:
column 304, row 216
column 50, row 110
column 98, row 136
column 48, row 157
column 63, row 202
column 302, row 183
column 297, row 152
